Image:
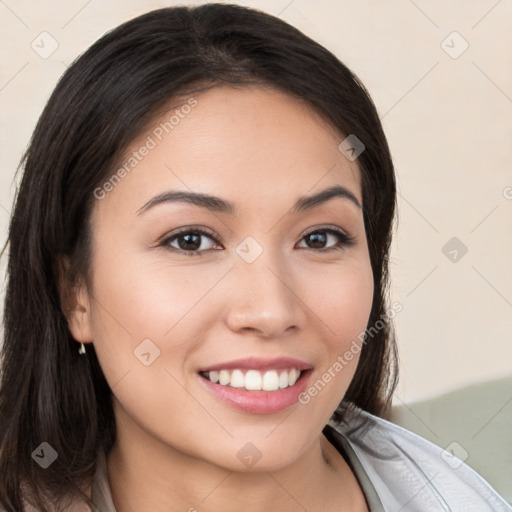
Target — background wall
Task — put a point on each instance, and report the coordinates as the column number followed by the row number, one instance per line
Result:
column 441, row 76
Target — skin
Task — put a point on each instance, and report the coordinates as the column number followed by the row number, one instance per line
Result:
column 177, row 443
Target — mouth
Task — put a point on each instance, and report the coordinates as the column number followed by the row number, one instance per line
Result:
column 257, row 386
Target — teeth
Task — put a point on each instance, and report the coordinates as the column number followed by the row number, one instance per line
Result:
column 283, row 380
column 254, row 380
column 293, row 376
column 224, row 377
column 237, row 379
column 270, row 381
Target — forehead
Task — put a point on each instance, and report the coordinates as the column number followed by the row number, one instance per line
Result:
column 247, row 141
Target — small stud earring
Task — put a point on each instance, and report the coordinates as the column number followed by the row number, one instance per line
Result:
column 81, row 350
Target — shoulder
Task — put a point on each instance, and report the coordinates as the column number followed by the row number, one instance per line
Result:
column 410, row 473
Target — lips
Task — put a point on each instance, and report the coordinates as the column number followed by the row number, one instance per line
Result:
column 256, row 385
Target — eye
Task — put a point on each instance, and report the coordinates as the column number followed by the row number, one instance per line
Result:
column 320, row 237
column 190, row 241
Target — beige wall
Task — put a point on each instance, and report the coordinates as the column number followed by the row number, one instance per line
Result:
column 449, row 124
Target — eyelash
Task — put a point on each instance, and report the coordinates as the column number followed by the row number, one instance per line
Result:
column 344, row 240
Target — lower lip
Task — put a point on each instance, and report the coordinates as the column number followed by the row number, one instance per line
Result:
column 258, row 402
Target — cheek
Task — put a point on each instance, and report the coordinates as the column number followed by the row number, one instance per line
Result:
column 147, row 321
column 342, row 301
column 342, row 298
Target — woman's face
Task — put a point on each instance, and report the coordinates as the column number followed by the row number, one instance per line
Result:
column 254, row 296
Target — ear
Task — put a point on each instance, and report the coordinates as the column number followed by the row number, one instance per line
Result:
column 75, row 303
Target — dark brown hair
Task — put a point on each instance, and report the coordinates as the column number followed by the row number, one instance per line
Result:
column 49, row 393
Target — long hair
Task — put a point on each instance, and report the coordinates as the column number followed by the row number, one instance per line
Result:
column 49, row 393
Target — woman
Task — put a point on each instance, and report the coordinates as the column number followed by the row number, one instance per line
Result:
column 196, row 315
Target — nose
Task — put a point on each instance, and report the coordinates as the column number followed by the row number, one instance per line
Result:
column 264, row 298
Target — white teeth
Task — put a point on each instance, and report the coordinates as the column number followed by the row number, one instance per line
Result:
column 293, row 376
column 270, row 381
column 237, row 379
column 254, row 380
column 224, row 377
column 283, row 380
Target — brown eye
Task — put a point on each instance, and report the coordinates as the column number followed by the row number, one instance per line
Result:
column 319, row 238
column 190, row 242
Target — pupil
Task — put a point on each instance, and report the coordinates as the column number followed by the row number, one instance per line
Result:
column 318, row 239
column 194, row 240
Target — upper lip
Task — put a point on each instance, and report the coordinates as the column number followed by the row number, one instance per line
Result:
column 258, row 363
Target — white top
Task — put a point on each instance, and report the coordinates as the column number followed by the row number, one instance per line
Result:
column 397, row 470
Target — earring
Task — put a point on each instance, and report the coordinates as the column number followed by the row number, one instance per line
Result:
column 81, row 350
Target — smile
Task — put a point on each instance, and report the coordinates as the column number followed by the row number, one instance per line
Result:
column 257, row 385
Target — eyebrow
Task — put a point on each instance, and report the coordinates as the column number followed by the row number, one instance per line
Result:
column 217, row 204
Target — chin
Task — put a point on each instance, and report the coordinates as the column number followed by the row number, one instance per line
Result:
column 263, row 454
